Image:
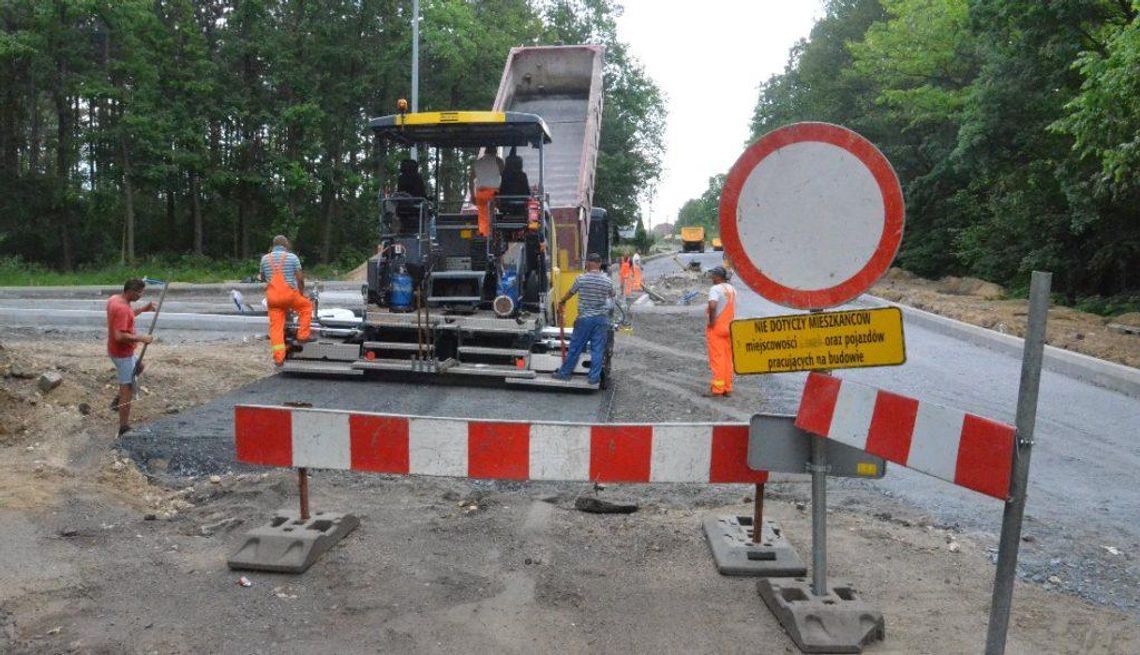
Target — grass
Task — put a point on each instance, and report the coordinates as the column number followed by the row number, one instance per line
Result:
column 14, row 272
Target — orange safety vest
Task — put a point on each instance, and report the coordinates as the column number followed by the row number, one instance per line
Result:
column 484, row 199
column 719, row 340
column 280, row 298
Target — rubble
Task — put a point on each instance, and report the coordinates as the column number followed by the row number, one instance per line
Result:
column 593, row 505
column 49, row 380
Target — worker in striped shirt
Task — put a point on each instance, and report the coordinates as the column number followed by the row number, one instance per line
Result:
column 595, row 299
column 285, row 293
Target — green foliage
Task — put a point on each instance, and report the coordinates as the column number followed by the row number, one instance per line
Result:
column 139, row 129
column 633, row 115
column 1013, row 126
column 703, row 211
column 1110, row 306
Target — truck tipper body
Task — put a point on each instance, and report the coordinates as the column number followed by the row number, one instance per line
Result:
column 692, row 239
column 563, row 85
column 455, row 290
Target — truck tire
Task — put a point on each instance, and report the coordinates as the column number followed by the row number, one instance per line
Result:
column 607, row 362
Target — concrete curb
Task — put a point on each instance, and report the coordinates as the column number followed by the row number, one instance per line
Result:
column 103, row 291
column 19, row 317
column 1110, row 375
column 649, row 258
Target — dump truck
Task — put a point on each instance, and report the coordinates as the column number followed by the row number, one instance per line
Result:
column 717, row 244
column 449, row 295
column 692, row 239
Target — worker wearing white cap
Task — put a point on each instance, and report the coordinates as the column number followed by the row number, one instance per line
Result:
column 721, row 310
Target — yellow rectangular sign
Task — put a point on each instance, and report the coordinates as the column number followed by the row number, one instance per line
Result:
column 823, row 340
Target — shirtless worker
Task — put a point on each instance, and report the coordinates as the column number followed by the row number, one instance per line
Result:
column 285, row 292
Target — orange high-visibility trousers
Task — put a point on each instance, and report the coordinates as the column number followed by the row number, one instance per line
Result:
column 719, row 341
column 281, row 298
column 484, row 196
column 637, row 278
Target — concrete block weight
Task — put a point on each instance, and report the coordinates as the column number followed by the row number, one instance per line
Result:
column 289, row 545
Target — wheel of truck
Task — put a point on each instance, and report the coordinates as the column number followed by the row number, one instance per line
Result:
column 530, row 288
column 607, row 362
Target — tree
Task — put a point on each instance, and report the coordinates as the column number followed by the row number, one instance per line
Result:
column 633, row 114
column 703, row 211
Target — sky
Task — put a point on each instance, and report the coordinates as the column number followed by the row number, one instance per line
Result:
column 709, row 58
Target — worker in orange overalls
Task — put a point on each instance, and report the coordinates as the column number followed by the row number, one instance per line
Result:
column 625, row 272
column 285, row 292
column 635, row 267
column 721, row 310
column 486, row 178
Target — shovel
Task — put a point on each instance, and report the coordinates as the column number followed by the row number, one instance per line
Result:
column 153, row 322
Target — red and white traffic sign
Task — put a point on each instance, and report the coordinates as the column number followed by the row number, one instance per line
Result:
column 811, row 215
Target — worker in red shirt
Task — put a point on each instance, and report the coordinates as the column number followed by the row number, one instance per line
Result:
column 121, row 343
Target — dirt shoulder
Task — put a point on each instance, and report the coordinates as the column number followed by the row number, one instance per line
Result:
column 97, row 557
column 972, row 301
column 983, row 304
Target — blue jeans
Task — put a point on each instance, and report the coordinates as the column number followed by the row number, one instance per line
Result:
column 594, row 330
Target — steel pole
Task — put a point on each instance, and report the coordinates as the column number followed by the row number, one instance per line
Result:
column 303, row 488
column 818, row 469
column 415, row 66
column 1019, row 480
column 758, row 515
column 818, row 517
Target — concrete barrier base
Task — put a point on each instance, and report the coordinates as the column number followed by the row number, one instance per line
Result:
column 837, row 622
column 730, row 539
column 289, row 545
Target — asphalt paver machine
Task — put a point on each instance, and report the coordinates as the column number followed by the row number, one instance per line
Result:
column 442, row 296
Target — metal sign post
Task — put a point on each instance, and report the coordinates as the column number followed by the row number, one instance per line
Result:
column 811, row 215
column 1015, row 506
column 818, row 469
column 415, row 154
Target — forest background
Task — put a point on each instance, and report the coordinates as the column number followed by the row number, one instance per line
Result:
column 179, row 136
column 1014, row 126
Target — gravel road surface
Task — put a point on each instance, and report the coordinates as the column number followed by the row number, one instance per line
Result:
column 1083, row 495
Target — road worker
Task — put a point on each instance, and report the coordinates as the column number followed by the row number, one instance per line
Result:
column 121, row 343
column 595, row 297
column 635, row 268
column 626, row 274
column 285, row 293
column 486, row 177
column 721, row 309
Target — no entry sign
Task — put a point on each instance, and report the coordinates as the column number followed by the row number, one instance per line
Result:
column 811, row 215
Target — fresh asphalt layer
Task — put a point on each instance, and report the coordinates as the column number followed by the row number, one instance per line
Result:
column 1082, row 489
column 201, row 440
column 1082, row 495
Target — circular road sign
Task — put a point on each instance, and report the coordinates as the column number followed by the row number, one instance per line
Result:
column 811, row 215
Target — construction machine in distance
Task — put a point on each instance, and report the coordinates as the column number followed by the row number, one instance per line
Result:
column 692, row 239
column 441, row 297
column 717, row 244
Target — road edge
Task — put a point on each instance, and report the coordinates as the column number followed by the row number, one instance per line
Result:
column 1109, row 375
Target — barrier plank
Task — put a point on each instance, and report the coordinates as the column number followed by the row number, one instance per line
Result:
column 967, row 450
column 503, row 450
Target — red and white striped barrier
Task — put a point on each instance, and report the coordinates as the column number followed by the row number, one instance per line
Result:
column 965, row 449
column 506, row 450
